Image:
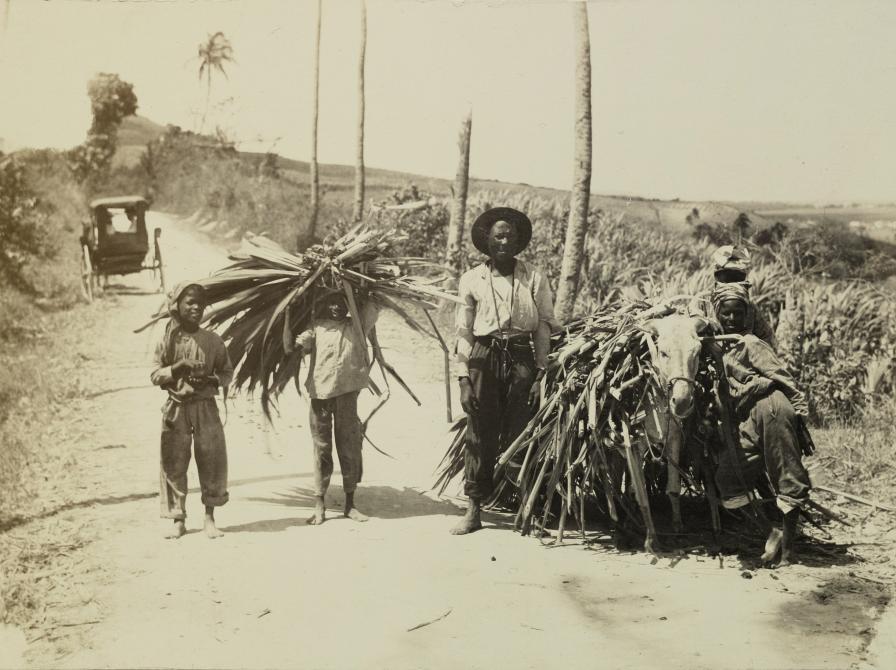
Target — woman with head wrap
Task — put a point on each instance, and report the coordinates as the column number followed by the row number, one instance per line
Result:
column 770, row 410
column 730, row 266
column 191, row 364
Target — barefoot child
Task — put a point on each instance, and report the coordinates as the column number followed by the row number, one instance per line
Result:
column 191, row 363
column 338, row 371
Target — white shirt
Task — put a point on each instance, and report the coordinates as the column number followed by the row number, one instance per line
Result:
column 517, row 304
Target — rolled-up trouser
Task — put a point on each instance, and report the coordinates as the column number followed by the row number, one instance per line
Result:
column 768, row 444
column 338, row 415
column 196, row 423
column 501, row 381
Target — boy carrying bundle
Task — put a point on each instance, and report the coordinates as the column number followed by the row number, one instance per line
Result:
column 191, row 363
column 337, row 344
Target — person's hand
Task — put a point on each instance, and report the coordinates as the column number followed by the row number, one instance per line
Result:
column 714, row 348
column 188, row 366
column 197, row 382
column 468, row 400
column 197, row 376
column 535, row 394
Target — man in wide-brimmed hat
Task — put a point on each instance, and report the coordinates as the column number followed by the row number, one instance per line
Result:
column 503, row 339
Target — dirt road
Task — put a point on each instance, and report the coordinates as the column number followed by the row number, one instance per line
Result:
column 275, row 592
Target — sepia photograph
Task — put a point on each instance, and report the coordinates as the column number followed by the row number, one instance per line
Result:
column 448, row 334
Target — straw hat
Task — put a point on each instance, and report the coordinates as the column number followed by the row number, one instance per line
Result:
column 483, row 225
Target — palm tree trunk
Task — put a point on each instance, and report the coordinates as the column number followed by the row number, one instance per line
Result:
column 577, row 226
column 315, row 183
column 208, row 96
column 453, row 255
column 358, row 209
column 5, row 28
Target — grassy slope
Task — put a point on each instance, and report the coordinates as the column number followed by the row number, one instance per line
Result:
column 337, row 183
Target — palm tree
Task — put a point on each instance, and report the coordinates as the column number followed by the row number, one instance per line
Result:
column 742, row 225
column 577, row 225
column 213, row 54
column 307, row 239
column 358, row 209
column 453, row 255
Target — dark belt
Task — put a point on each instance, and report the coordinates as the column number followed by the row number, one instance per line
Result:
column 516, row 344
column 503, row 352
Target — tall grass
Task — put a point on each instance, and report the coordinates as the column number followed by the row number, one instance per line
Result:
column 28, row 387
column 859, row 454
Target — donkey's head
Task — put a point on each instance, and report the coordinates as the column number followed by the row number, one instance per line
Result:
column 676, row 357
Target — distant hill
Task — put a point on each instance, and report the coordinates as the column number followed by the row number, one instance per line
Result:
column 134, row 134
column 137, row 131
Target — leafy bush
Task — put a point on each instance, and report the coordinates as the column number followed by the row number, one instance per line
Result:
column 186, row 173
column 839, row 339
column 23, row 226
column 111, row 99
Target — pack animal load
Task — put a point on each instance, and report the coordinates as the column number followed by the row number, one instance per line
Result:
column 626, row 389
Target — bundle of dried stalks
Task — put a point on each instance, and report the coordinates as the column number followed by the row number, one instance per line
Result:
column 268, row 295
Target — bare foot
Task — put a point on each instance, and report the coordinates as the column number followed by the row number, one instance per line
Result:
column 320, row 514
column 211, row 530
column 788, row 555
column 471, row 521
column 466, row 525
column 772, row 547
column 469, row 524
column 355, row 515
column 178, row 530
column 350, row 511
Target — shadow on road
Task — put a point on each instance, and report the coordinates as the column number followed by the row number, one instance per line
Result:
column 124, row 289
column 266, row 526
column 15, row 521
column 381, row 502
column 378, row 502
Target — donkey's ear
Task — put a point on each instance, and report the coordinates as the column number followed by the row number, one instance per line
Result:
column 650, row 327
column 704, row 326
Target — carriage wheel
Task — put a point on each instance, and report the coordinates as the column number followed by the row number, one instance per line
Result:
column 87, row 274
column 161, row 269
column 157, row 260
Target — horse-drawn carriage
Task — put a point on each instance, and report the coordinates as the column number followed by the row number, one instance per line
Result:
column 114, row 241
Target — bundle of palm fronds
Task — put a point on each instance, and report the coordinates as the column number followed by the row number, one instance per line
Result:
column 268, row 295
column 600, row 388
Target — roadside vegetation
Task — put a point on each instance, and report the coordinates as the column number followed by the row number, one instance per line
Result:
column 826, row 282
column 43, row 197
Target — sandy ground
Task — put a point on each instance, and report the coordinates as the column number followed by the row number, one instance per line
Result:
column 275, row 592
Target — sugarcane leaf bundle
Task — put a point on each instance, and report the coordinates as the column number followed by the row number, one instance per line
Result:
column 267, row 295
column 603, row 402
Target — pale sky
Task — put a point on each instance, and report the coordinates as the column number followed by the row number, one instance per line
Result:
column 697, row 100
